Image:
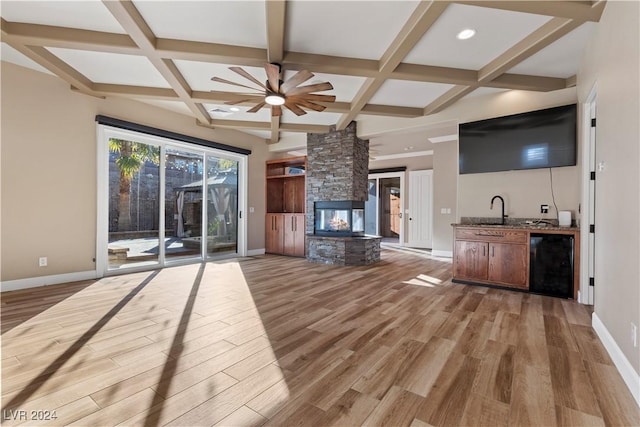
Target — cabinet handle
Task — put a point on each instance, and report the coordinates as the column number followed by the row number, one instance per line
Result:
column 292, row 218
column 493, row 251
column 489, row 235
column 484, row 249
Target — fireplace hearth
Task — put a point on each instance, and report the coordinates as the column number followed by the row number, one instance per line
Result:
column 344, row 218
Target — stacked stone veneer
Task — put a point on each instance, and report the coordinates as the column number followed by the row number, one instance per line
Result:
column 338, row 169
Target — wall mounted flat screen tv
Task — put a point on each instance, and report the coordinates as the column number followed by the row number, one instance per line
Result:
column 533, row 140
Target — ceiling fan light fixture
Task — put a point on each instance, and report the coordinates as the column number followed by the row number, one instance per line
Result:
column 273, row 98
column 466, row 34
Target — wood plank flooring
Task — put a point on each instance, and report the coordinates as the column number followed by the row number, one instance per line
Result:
column 278, row 341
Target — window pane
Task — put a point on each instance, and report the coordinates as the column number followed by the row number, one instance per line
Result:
column 134, row 189
column 183, row 204
column 222, row 212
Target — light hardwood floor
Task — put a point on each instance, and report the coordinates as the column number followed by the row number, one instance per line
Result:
column 279, row 341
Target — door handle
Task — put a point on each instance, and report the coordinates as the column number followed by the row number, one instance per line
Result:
column 400, row 215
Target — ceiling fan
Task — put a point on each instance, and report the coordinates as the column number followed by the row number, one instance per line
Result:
column 278, row 93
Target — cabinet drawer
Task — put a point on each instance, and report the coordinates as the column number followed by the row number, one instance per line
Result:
column 491, row 235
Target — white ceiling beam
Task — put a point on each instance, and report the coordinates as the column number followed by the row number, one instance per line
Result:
column 128, row 16
column 579, row 10
column 70, row 38
column 275, row 13
column 422, row 18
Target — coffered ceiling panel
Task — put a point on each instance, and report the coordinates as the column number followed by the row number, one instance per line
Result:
column 240, row 23
column 167, row 52
column 113, row 68
column 496, row 31
column 175, row 106
column 86, row 15
column 355, row 29
column 561, row 58
column 263, row 115
column 410, row 94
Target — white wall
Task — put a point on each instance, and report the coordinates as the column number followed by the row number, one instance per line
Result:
column 612, row 62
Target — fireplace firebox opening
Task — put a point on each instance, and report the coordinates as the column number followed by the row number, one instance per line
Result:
column 339, row 218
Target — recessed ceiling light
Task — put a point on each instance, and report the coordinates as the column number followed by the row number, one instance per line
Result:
column 465, row 34
column 234, row 109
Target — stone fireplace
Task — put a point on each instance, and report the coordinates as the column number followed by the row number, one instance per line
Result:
column 336, row 184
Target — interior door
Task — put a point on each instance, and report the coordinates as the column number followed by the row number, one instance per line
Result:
column 420, row 208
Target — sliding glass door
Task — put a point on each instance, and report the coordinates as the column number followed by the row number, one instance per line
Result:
column 163, row 202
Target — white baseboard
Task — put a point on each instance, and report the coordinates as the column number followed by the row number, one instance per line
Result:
column 255, row 252
column 629, row 375
column 442, row 254
column 34, row 282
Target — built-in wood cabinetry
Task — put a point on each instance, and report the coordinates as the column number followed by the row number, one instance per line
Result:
column 500, row 255
column 491, row 256
column 285, row 193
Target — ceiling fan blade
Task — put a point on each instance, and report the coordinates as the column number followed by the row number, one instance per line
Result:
column 319, row 98
column 276, row 111
column 300, row 77
column 229, row 82
column 307, row 104
column 294, row 108
column 247, row 76
column 273, row 76
column 257, row 107
column 318, row 87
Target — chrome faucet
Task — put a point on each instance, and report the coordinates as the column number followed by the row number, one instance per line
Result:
column 502, row 200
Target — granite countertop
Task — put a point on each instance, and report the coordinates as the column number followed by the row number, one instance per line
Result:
column 517, row 223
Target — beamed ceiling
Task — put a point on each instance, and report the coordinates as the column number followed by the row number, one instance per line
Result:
column 383, row 58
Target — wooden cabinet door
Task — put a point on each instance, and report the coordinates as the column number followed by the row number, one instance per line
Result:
column 471, row 260
column 289, row 234
column 299, row 230
column 274, row 234
column 508, row 264
column 294, row 234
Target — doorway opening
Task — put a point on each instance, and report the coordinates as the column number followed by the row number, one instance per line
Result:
column 384, row 207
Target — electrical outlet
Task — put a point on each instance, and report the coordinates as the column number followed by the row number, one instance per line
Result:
column 634, row 334
column 42, row 262
column 544, row 209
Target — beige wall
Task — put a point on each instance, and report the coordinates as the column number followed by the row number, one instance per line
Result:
column 612, row 63
column 445, row 195
column 49, row 171
column 523, row 192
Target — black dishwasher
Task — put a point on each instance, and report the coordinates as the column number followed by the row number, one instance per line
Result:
column 551, row 265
